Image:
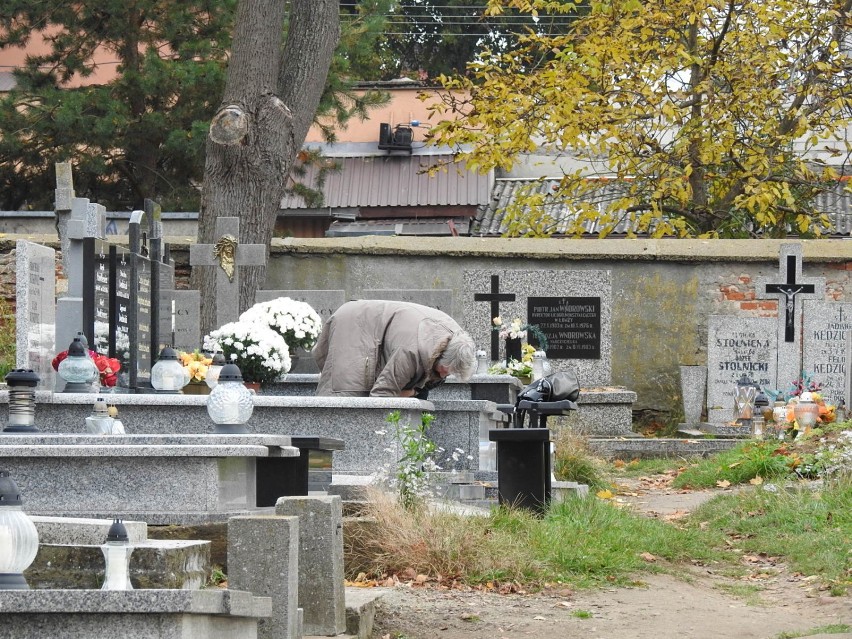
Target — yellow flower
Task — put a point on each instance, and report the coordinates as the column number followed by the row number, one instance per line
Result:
column 196, row 364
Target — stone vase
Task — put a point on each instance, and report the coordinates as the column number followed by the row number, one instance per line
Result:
column 513, row 348
column 693, row 385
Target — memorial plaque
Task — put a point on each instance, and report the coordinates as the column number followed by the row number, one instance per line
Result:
column 737, row 346
column 827, row 325
column 572, row 325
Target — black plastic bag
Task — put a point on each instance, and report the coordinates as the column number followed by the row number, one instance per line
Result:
column 553, row 388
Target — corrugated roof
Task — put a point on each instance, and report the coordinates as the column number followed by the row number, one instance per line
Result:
column 396, row 180
column 401, row 226
column 490, row 219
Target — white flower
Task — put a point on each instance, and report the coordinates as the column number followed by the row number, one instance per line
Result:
column 295, row 321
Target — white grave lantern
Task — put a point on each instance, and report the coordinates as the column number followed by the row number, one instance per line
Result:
column 212, row 376
column 77, row 369
column 230, row 403
column 18, row 536
column 168, row 375
column 117, row 551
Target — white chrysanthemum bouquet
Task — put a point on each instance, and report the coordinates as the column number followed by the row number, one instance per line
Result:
column 297, row 322
column 260, row 352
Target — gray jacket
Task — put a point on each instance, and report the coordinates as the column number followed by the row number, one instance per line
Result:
column 379, row 348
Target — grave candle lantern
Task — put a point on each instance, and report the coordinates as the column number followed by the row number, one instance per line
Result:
column 230, row 403
column 18, row 536
column 215, row 368
column 806, row 411
column 744, row 400
column 168, row 375
column 22, row 383
column 78, row 369
column 117, row 551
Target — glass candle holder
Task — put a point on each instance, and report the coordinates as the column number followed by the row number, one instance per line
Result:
column 22, row 384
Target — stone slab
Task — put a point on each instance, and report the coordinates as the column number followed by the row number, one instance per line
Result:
column 826, row 326
column 524, row 284
column 321, row 593
column 142, row 614
column 738, row 345
column 35, row 316
column 81, row 531
column 155, row 563
column 263, row 555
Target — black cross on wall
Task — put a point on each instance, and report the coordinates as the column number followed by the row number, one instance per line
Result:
column 789, row 290
column 495, row 297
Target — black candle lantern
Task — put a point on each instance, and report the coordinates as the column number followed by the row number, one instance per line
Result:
column 22, row 383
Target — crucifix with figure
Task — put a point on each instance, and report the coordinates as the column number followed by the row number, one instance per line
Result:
column 791, row 293
column 227, row 255
column 495, row 297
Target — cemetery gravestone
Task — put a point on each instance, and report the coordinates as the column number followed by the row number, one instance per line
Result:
column 35, row 291
column 827, row 325
column 737, row 346
column 494, row 297
column 792, row 290
column 572, row 308
column 227, row 255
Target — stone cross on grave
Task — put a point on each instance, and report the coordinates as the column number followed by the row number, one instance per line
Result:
column 495, row 297
column 789, row 291
column 227, row 254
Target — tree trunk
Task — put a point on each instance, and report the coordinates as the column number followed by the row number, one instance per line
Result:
column 270, row 99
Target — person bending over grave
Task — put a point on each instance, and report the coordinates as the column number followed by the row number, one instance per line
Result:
column 378, row 348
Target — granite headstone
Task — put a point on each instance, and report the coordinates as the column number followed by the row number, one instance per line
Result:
column 737, row 346
column 35, row 292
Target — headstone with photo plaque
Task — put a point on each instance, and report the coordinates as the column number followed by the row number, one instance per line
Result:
column 35, row 320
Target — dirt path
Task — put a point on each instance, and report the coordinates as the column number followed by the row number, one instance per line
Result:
column 693, row 602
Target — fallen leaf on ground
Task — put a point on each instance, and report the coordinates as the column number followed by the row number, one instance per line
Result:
column 723, row 483
column 647, row 556
column 756, row 481
column 605, row 494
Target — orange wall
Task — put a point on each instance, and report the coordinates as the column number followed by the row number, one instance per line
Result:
column 106, row 61
column 404, row 107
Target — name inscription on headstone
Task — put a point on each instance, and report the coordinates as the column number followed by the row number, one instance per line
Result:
column 737, row 346
column 824, row 346
column 572, row 325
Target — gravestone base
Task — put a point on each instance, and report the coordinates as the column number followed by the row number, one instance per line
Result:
column 142, row 614
column 695, row 429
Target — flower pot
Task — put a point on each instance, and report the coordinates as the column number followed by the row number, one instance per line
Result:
column 196, row 388
column 253, row 386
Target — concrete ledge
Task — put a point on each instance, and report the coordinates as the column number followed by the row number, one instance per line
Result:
column 142, row 614
column 648, row 448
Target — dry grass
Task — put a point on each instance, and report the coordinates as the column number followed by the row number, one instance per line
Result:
column 432, row 542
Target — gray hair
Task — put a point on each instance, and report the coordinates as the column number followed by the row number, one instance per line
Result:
column 460, row 356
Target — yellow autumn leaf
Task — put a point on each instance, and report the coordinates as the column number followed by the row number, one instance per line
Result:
column 605, row 494
column 756, row 481
column 723, row 483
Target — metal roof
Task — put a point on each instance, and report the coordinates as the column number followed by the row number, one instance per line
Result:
column 396, row 180
column 401, row 226
column 490, row 218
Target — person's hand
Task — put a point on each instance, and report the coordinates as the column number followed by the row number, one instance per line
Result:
column 406, row 392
